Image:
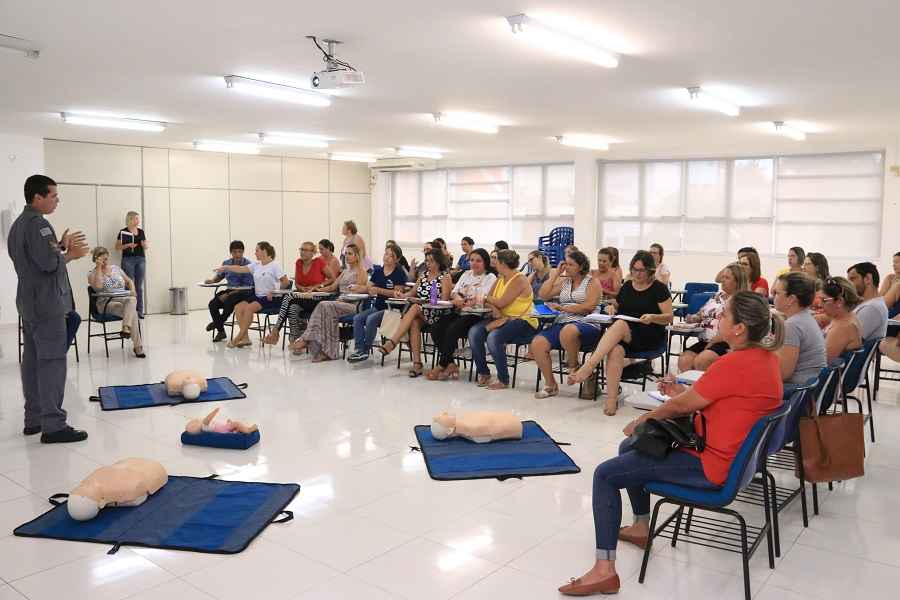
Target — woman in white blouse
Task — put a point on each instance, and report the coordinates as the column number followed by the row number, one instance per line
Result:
column 663, row 274
column 469, row 292
column 107, row 278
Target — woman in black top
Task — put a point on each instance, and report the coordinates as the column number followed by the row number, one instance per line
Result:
column 132, row 242
column 645, row 298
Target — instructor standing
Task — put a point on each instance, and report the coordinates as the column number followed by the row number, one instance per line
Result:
column 43, row 298
column 132, row 242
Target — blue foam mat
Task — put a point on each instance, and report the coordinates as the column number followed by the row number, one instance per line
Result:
column 123, row 397
column 213, row 439
column 188, row 513
column 458, row 458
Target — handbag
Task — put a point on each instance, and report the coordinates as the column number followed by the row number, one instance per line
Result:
column 501, row 321
column 390, row 322
column 658, row 437
column 834, row 447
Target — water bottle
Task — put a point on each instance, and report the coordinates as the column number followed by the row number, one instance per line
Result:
column 432, row 293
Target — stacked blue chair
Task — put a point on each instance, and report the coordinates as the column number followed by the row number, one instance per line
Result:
column 730, row 535
column 554, row 244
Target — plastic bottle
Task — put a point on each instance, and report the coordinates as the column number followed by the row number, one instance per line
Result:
column 432, row 293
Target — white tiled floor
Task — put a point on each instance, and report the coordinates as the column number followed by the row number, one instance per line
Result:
column 369, row 522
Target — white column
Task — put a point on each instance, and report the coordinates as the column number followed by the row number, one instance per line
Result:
column 381, row 214
column 587, row 228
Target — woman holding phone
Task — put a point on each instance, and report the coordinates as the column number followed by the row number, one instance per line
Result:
column 132, row 242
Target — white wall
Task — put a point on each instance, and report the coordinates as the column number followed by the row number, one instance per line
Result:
column 20, row 157
column 194, row 203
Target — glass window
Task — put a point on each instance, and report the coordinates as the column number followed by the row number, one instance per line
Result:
column 434, row 193
column 624, row 235
column 526, row 233
column 662, row 189
column 835, row 188
column 751, row 195
column 706, row 188
column 621, row 189
column 528, row 188
column 560, row 190
column 857, row 163
column 479, row 175
column 406, row 194
column 666, row 233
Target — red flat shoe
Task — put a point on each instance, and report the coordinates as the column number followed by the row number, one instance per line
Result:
column 639, row 541
column 610, row 585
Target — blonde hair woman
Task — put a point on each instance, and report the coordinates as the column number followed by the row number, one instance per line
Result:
column 352, row 238
column 109, row 278
column 132, row 243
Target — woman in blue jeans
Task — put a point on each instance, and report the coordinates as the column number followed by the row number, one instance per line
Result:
column 730, row 401
column 387, row 281
column 511, row 299
column 132, row 242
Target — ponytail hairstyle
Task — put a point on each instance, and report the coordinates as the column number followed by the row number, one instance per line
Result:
column 765, row 329
column 614, row 254
column 801, row 286
column 840, row 287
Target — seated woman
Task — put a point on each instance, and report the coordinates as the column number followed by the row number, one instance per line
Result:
column 711, row 346
column 332, row 263
column 512, row 301
column 614, row 253
column 471, row 289
column 418, row 318
column 890, row 346
column 267, row 277
column 891, row 278
column 605, row 275
column 750, row 262
column 578, row 296
column 110, row 278
column 386, row 282
column 322, row 335
column 540, row 270
column 816, row 266
column 662, row 270
column 401, row 260
column 843, row 332
column 796, row 256
column 642, row 297
column 730, row 401
column 309, row 276
column 803, row 354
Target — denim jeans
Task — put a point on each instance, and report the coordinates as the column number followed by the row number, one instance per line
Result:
column 514, row 331
column 365, row 326
column 136, row 268
column 631, row 470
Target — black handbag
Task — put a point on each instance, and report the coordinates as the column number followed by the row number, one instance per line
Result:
column 658, row 437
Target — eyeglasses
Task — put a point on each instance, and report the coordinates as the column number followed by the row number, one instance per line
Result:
column 633, row 270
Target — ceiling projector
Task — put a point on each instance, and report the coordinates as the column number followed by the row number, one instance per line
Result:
column 337, row 73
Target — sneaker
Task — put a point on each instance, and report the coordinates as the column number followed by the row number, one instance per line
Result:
column 358, row 357
column 64, row 436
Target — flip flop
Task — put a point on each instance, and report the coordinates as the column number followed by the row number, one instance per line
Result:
column 547, row 393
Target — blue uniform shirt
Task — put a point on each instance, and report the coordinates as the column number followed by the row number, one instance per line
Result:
column 238, row 279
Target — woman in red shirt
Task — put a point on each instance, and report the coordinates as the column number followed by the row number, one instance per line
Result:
column 758, row 283
column 309, row 276
column 731, row 402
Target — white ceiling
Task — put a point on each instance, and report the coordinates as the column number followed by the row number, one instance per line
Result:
column 831, row 63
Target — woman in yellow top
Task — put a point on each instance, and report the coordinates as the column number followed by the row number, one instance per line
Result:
column 511, row 301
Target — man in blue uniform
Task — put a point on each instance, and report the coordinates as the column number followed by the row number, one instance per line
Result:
column 44, row 298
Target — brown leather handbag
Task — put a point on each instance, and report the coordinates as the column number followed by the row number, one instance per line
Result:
column 834, row 447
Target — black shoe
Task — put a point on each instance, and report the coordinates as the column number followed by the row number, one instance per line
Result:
column 140, row 355
column 64, row 436
column 32, row 430
column 221, row 336
column 141, row 316
column 211, row 326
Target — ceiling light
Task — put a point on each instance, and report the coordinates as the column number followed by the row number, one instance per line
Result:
column 276, row 91
column 788, row 131
column 713, row 103
column 29, row 48
column 229, row 147
column 352, row 157
column 113, row 122
column 465, row 121
column 582, row 140
column 435, row 153
column 555, row 39
column 278, row 139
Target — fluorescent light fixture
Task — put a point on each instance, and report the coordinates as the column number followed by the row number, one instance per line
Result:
column 583, row 140
column 276, row 91
column 468, row 121
column 435, row 153
column 29, row 48
column 788, row 131
column 555, row 39
column 229, row 147
column 352, row 157
column 712, row 102
column 113, row 122
column 280, row 139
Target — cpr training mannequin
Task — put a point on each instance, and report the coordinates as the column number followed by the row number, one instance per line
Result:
column 128, row 482
column 188, row 384
column 480, row 427
column 209, row 424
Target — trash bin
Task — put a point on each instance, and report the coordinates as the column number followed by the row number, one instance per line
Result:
column 177, row 301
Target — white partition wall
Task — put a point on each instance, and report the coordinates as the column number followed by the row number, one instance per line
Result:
column 77, row 210
column 193, row 204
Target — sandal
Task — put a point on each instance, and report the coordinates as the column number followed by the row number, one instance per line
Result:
column 271, row 337
column 435, row 374
column 547, row 392
column 451, row 372
column 483, row 380
column 384, row 347
column 497, row 385
column 416, row 370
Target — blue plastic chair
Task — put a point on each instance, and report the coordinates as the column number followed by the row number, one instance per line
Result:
column 553, row 245
column 697, row 301
column 856, row 375
column 691, row 288
column 741, row 473
column 95, row 315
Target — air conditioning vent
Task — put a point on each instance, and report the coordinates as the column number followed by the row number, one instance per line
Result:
column 404, row 164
